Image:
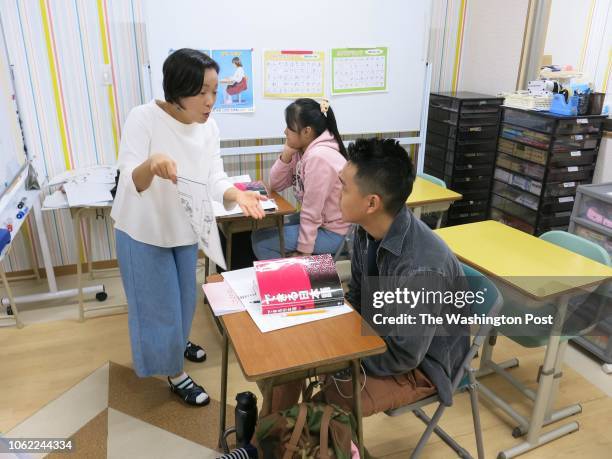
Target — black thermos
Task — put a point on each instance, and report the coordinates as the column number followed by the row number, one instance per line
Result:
column 245, row 418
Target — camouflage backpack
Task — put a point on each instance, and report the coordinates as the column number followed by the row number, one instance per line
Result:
column 307, row 430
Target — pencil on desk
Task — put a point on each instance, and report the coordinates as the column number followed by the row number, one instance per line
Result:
column 303, row 313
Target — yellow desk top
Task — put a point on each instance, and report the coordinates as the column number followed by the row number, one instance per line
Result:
column 532, row 265
column 425, row 192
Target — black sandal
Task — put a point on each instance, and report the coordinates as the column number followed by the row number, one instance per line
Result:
column 191, row 352
column 189, row 395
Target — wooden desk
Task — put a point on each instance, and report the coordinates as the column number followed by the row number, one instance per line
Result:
column 428, row 197
column 239, row 223
column 543, row 271
column 307, row 350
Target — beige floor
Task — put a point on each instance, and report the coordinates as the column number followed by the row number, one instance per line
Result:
column 54, row 352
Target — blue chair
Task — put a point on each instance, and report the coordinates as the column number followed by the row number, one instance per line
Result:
column 439, row 182
column 577, row 245
column 465, row 375
column 432, row 179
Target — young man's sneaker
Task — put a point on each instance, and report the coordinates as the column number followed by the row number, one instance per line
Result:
column 194, row 352
column 188, row 390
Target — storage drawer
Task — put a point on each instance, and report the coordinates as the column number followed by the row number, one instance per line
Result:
column 475, row 194
column 595, row 210
column 433, row 151
column 470, row 206
column 519, row 181
column 459, row 184
column 481, row 106
column 523, row 198
column 471, row 218
column 562, row 188
column 462, row 132
column 511, row 220
column 557, row 204
column 442, row 115
column 464, row 119
column 474, row 146
column 509, row 207
column 573, row 158
column 434, row 164
column 444, row 102
column 468, row 170
column 566, row 143
column 522, row 167
column 554, row 219
column 579, row 126
column 519, row 150
column 570, row 174
column 594, row 236
column 551, row 125
column 527, row 137
column 440, row 141
column 462, row 214
column 472, row 158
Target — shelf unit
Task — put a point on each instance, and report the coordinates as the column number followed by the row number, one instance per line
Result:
column 542, row 159
column 592, row 219
column 462, row 131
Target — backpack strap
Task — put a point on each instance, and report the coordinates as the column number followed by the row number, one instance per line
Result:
column 291, row 447
column 324, row 432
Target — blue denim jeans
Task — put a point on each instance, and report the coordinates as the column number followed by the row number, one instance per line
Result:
column 160, row 286
column 266, row 242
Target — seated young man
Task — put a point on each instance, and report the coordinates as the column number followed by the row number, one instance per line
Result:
column 398, row 251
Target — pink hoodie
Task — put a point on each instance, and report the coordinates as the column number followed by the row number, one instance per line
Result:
column 314, row 176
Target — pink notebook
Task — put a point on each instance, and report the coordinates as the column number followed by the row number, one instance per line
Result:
column 222, row 299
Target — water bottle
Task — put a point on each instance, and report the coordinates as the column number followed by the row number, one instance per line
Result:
column 245, row 418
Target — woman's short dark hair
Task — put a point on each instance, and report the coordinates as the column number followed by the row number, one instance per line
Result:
column 236, row 60
column 184, row 73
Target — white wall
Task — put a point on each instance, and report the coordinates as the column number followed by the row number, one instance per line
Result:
column 492, row 44
column 566, row 31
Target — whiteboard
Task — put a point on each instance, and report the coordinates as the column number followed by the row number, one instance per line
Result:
column 12, row 151
column 320, row 25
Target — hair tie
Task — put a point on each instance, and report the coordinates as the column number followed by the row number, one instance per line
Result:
column 324, row 104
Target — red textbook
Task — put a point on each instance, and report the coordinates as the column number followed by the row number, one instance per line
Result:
column 294, row 284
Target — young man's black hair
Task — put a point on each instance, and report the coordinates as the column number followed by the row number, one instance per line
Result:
column 383, row 168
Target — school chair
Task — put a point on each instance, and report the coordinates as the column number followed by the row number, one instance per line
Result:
column 465, row 375
column 577, row 245
column 343, row 255
column 438, row 182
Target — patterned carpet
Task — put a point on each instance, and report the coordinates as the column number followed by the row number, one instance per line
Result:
column 113, row 413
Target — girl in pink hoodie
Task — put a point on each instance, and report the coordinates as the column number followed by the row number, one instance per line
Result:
column 310, row 162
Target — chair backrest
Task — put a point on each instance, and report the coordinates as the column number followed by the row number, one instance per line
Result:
column 578, row 245
column 490, row 307
column 346, row 247
column 432, row 179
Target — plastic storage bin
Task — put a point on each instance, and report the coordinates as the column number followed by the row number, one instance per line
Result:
column 592, row 219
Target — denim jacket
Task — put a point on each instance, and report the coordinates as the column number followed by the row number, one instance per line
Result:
column 412, row 255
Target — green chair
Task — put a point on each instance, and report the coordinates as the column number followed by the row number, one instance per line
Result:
column 436, row 181
column 464, row 379
column 577, row 245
